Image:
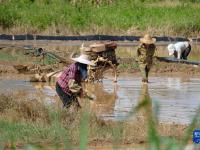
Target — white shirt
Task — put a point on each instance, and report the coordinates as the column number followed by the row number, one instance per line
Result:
column 179, row 47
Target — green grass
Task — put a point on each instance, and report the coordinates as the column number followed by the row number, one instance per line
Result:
column 182, row 17
column 6, row 57
column 21, row 58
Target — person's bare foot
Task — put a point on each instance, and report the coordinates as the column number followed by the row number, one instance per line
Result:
column 145, row 81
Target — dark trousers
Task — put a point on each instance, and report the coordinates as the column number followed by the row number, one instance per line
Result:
column 186, row 52
column 65, row 98
column 144, row 69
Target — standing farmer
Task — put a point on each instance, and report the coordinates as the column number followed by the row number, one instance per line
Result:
column 145, row 55
column 68, row 85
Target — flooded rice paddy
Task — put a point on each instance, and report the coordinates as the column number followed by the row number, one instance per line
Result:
column 178, row 97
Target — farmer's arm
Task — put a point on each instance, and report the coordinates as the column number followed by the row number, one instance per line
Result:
column 179, row 55
column 155, row 53
column 179, row 51
column 138, row 51
column 180, row 47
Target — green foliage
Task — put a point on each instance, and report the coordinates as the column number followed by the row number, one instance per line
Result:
column 118, row 15
column 84, row 131
column 8, row 16
column 20, row 57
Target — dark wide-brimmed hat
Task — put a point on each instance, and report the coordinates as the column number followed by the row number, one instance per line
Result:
column 147, row 39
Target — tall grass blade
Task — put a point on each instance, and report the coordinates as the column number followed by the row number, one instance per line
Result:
column 84, row 130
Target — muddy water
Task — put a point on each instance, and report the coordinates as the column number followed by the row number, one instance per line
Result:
column 27, row 90
column 178, row 98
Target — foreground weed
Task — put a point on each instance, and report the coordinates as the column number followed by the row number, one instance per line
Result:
column 84, row 130
column 60, row 133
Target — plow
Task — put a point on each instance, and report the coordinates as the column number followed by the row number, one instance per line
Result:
column 103, row 55
column 40, row 67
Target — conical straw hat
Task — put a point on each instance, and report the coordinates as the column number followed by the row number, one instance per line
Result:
column 84, row 59
column 147, row 39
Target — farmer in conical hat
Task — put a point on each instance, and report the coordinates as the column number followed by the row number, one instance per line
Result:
column 68, row 85
column 145, row 54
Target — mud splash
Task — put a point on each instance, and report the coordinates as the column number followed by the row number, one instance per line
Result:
column 178, row 98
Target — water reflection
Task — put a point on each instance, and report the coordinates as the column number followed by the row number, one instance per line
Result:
column 171, row 93
column 104, row 101
column 143, row 106
column 178, row 98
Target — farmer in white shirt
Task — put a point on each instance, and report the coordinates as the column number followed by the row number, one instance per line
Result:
column 180, row 50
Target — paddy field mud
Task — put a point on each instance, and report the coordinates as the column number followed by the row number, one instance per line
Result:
column 174, row 88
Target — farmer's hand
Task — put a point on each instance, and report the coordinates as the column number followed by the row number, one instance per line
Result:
column 74, row 87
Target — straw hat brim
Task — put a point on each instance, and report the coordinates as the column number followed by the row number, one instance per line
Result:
column 83, row 61
column 148, row 41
